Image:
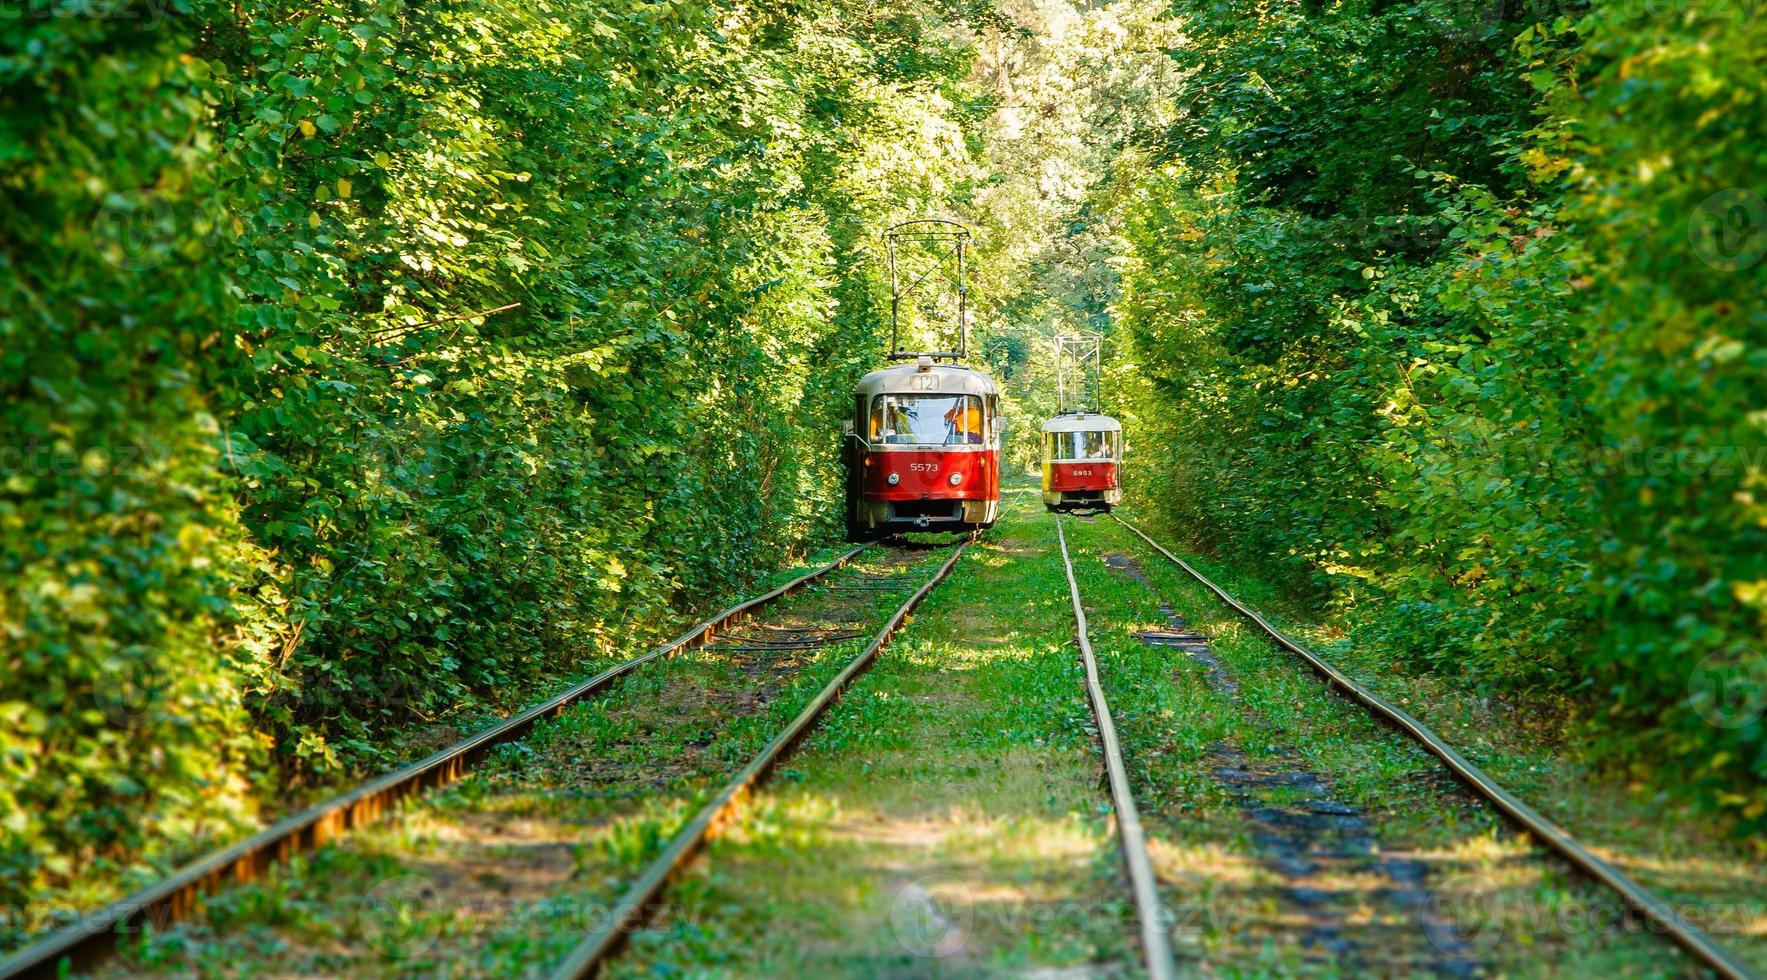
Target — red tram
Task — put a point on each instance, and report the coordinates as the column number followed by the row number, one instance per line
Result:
column 1082, row 452
column 923, row 446
column 923, row 451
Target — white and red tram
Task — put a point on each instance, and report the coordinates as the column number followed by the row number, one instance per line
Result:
column 923, row 450
column 1082, row 453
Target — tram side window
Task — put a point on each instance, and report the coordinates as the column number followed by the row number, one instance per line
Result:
column 926, row 420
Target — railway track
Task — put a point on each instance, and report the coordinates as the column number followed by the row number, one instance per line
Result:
column 1156, row 948
column 92, row 939
column 1662, row 917
column 640, row 898
column 737, row 636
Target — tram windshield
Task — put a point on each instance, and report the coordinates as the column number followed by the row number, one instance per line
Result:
column 926, row 420
column 1084, row 445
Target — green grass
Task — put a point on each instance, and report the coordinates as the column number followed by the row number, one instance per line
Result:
column 947, row 820
column 109, row 881
column 1547, row 920
column 505, row 870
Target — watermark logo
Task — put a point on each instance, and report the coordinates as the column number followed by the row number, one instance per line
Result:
column 1728, row 688
column 394, row 917
column 1728, row 230
column 1465, row 920
column 60, row 460
column 128, row 690
column 926, row 926
column 136, row 230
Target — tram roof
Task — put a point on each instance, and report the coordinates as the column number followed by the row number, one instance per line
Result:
column 1083, row 422
column 949, row 379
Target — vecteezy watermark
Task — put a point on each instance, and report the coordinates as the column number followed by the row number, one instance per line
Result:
column 1728, row 230
column 35, row 458
column 936, row 916
column 1728, row 689
column 398, row 916
column 33, row 919
column 137, row 230
column 128, row 691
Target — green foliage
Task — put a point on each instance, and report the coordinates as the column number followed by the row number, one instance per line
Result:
column 1425, row 328
column 1658, row 123
column 121, row 547
column 318, row 488
column 1072, row 88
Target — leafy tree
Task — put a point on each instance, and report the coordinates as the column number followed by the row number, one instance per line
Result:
column 1422, row 329
column 367, row 358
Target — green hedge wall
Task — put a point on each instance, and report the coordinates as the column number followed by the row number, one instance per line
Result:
column 279, row 481
column 1450, row 316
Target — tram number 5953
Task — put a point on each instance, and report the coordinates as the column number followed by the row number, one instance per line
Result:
column 1082, row 472
column 923, row 467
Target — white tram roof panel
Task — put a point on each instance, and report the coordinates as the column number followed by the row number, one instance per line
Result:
column 1082, row 422
column 942, row 379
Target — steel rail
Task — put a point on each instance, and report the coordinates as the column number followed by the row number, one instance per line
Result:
column 633, row 907
column 1154, row 944
column 173, row 897
column 1686, row 935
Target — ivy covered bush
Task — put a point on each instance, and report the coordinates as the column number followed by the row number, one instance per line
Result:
column 363, row 358
column 1450, row 317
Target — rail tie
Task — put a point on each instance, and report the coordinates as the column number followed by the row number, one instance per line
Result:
column 1686, row 935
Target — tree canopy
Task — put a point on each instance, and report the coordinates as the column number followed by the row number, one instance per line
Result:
column 364, row 359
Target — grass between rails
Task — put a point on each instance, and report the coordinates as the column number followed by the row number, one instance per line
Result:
column 103, row 883
column 948, row 819
column 413, row 743
column 505, row 870
column 1523, row 913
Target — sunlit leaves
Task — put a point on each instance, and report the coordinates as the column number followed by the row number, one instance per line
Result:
column 1429, row 327
column 432, row 347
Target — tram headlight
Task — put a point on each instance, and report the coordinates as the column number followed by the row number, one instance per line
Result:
column 956, row 478
column 893, row 479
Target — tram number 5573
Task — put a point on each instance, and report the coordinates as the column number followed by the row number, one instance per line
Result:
column 923, row 467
